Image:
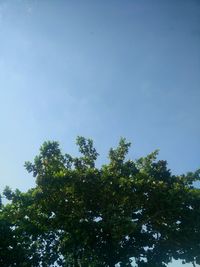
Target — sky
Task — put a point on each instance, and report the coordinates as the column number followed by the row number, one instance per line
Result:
column 101, row 69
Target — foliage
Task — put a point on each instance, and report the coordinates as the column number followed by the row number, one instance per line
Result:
column 81, row 215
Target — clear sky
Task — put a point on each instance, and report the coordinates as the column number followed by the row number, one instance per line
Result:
column 101, row 69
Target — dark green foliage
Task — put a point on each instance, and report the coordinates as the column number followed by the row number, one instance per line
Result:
column 80, row 215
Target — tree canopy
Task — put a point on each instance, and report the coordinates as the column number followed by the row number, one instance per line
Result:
column 126, row 212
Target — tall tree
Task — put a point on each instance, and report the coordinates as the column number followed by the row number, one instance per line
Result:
column 126, row 212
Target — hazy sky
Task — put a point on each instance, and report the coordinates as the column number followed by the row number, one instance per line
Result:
column 101, row 69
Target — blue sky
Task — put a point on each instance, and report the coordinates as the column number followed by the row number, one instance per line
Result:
column 101, row 69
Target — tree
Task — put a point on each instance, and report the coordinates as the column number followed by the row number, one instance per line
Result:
column 81, row 215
